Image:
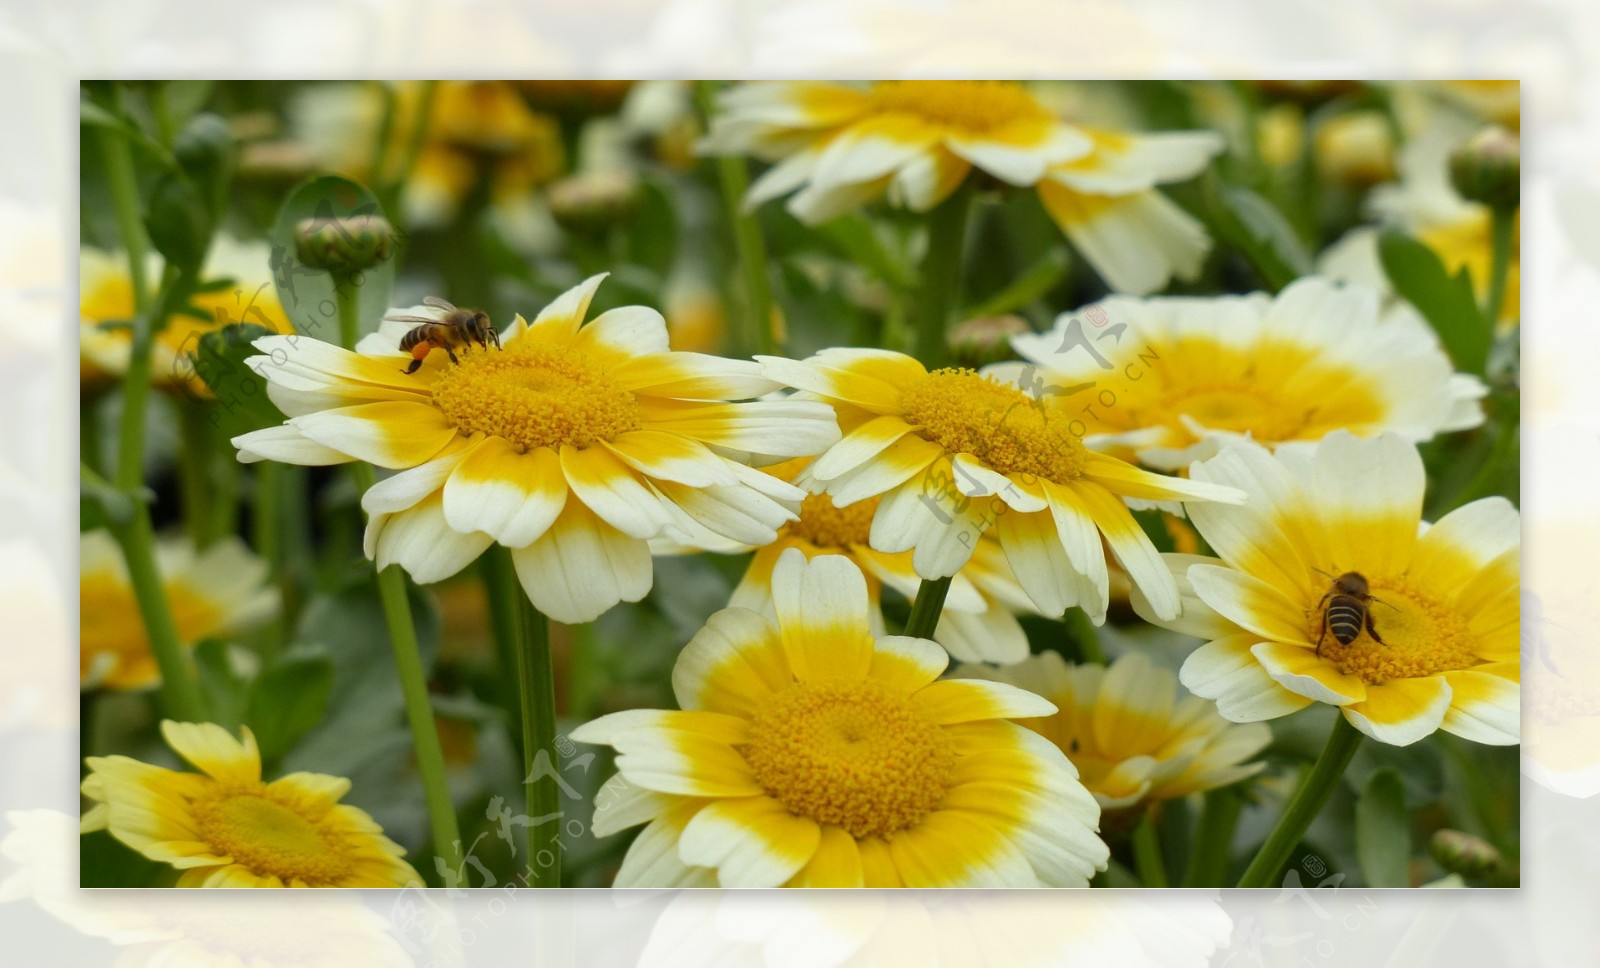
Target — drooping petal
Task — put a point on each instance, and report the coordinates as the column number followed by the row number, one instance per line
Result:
column 582, row 566
column 513, row 496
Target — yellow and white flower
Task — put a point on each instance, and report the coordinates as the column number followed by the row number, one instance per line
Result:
column 226, row 828
column 572, row 446
column 211, row 592
column 978, row 623
column 106, row 308
column 808, row 753
column 1135, row 736
column 1446, row 597
column 954, row 453
column 916, row 142
column 1427, row 206
column 1171, row 378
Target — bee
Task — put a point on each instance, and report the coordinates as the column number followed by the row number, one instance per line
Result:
column 458, row 328
column 1348, row 610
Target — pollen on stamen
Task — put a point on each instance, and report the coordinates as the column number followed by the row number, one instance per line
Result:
column 534, row 396
column 967, row 413
column 1421, row 637
column 856, row 755
column 974, row 106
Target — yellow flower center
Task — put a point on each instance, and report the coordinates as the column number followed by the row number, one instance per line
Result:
column 825, row 526
column 534, row 396
column 971, row 106
column 966, row 413
column 105, row 603
column 1420, row 636
column 270, row 838
column 1229, row 407
column 856, row 755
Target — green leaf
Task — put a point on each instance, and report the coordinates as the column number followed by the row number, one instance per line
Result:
column 1034, row 283
column 1420, row 766
column 180, row 222
column 1383, row 831
column 305, row 292
column 240, row 393
column 226, row 690
column 1252, row 225
column 1418, row 274
column 97, row 116
column 288, row 699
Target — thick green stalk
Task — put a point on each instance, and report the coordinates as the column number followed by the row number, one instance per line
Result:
column 924, row 618
column 500, row 583
column 536, row 676
column 181, row 698
column 1313, row 793
column 941, row 276
column 1502, row 226
column 1080, row 629
column 118, row 162
column 751, row 247
column 1147, row 852
column 1208, row 864
column 408, row 654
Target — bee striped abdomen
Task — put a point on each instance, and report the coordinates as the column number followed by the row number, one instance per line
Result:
column 1345, row 617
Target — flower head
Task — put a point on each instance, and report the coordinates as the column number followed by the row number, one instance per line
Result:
column 218, row 590
column 225, row 827
column 1439, row 647
column 978, row 622
column 106, row 310
column 809, row 753
column 1184, row 374
column 953, row 453
column 572, row 444
column 917, row 141
column 1134, row 736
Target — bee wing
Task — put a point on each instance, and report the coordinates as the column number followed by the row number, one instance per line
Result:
column 412, row 319
column 439, row 302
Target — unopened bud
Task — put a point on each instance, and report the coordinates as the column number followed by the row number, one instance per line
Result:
column 1356, row 148
column 1464, row 854
column 1488, row 168
column 985, row 339
column 594, row 201
column 344, row 245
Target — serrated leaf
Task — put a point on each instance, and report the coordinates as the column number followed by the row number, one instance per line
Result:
column 1447, row 302
column 1383, row 831
column 306, row 293
column 240, row 393
column 288, row 699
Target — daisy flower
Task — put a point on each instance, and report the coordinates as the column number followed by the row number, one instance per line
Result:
column 978, row 622
column 226, row 828
column 1445, row 598
column 1135, row 736
column 953, row 453
column 839, row 146
column 106, row 308
column 1425, row 205
column 216, row 591
column 1170, row 378
column 809, row 753
column 572, row 446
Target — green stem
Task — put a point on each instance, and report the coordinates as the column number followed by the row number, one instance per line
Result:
column 181, row 698
column 504, row 591
column 408, row 654
column 1208, row 864
column 751, row 247
column 267, row 536
column 117, row 159
column 925, row 610
column 194, row 465
column 1502, row 223
column 536, row 676
column 941, row 276
column 1313, row 793
column 1147, row 852
column 1080, row 629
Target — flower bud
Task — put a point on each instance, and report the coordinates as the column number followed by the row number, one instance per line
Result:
column 1464, row 854
column 1356, row 148
column 344, row 245
column 987, row 339
column 594, row 201
column 1488, row 168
